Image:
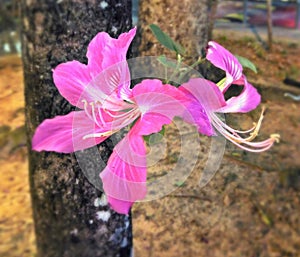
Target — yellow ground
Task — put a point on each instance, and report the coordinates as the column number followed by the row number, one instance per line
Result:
column 16, row 224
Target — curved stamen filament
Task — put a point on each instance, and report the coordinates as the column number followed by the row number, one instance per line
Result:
column 235, row 131
column 110, row 132
column 86, row 110
column 122, row 113
column 103, row 134
column 119, row 121
column 115, row 104
column 100, row 114
column 233, row 135
column 92, row 104
column 257, row 127
column 92, row 113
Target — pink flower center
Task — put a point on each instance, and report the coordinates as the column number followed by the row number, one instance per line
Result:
column 110, row 121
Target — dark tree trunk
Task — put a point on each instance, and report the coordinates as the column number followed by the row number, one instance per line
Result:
column 66, row 207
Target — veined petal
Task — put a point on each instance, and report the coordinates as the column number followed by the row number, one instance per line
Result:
column 76, row 81
column 71, row 80
column 196, row 115
column 124, row 178
column 246, row 101
column 223, row 59
column 158, row 104
column 206, row 92
column 64, row 134
column 104, row 51
column 113, row 82
column 124, row 90
column 205, row 97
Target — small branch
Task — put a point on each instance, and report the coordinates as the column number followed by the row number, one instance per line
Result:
column 190, row 196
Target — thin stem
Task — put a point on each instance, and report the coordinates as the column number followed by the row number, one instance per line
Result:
column 179, row 61
column 199, row 61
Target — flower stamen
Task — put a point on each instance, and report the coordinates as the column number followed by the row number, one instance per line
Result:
column 118, row 119
column 85, row 102
column 256, row 126
column 233, row 135
column 92, row 104
column 103, row 134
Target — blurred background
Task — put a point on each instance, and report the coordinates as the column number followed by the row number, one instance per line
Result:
column 256, row 212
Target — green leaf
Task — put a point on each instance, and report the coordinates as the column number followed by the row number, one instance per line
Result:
column 179, row 183
column 155, row 138
column 246, row 63
column 165, row 40
column 167, row 63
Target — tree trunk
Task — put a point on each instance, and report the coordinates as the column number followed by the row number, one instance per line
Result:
column 213, row 8
column 70, row 219
column 188, row 22
column 270, row 25
column 185, row 21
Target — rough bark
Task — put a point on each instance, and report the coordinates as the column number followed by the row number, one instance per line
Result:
column 65, row 205
column 185, row 21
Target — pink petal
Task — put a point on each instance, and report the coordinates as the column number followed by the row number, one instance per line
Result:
column 124, row 90
column 197, row 116
column 247, row 101
column 158, row 103
column 76, row 81
column 65, row 134
column 71, row 79
column 124, row 178
column 113, row 82
column 151, row 123
column 205, row 97
column 223, row 59
column 104, row 51
column 206, row 92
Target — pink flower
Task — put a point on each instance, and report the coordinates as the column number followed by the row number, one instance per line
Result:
column 226, row 61
column 101, row 90
column 82, row 86
column 210, row 96
column 249, row 98
column 124, row 178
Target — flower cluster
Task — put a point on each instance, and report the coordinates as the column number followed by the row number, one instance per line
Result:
column 106, row 102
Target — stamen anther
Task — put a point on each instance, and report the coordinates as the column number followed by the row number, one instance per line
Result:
column 276, row 137
column 104, row 134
